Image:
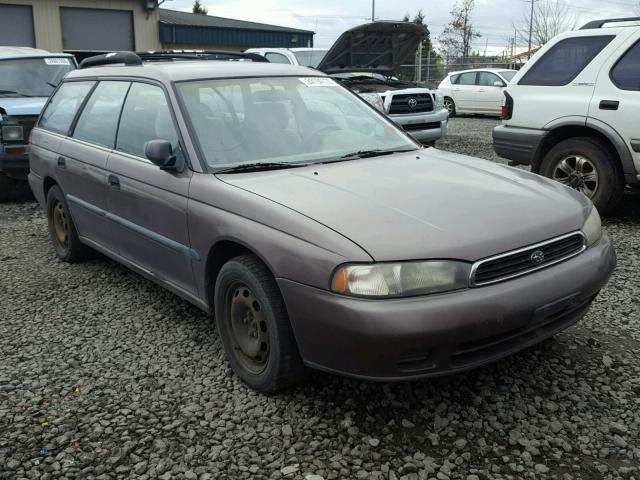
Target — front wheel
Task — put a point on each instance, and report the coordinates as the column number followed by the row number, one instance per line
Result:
column 254, row 326
column 450, row 105
column 588, row 166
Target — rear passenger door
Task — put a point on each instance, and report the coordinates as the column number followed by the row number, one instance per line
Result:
column 82, row 160
column 147, row 205
column 616, row 100
column 490, row 93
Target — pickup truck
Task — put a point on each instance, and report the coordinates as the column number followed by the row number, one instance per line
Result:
column 27, row 77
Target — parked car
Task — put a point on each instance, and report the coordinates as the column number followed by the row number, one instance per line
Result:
column 475, row 91
column 318, row 232
column 27, row 78
column 571, row 112
column 357, row 60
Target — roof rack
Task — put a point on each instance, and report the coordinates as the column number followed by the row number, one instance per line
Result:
column 600, row 23
column 172, row 55
column 128, row 58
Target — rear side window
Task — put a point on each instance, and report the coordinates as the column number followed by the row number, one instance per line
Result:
column 626, row 73
column 99, row 119
column 467, row 79
column 64, row 105
column 145, row 116
column 454, row 78
column 564, row 61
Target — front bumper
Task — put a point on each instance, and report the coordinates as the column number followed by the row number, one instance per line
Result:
column 519, row 145
column 416, row 337
column 14, row 161
column 425, row 127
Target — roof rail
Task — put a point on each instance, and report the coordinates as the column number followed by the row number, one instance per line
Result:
column 600, row 23
column 172, row 55
column 128, row 58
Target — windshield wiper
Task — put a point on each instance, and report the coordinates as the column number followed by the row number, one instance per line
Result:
column 364, row 154
column 257, row 167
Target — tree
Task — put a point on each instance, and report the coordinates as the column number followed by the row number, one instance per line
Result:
column 550, row 18
column 427, row 47
column 459, row 33
column 197, row 8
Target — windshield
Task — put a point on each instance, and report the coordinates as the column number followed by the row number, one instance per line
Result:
column 508, row 74
column 284, row 119
column 310, row 58
column 32, row 77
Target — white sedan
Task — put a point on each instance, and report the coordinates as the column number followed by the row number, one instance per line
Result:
column 475, row 91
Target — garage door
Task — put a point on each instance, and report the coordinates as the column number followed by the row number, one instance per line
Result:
column 16, row 26
column 94, row 29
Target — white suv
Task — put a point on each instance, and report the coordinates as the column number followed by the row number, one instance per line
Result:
column 572, row 112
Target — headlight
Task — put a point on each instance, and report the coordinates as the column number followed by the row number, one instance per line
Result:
column 12, row 133
column 383, row 280
column 592, row 228
column 374, row 99
column 439, row 101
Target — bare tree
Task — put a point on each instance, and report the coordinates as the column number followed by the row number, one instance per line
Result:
column 459, row 33
column 550, row 18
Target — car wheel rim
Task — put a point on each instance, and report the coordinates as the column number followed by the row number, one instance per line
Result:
column 60, row 225
column 249, row 333
column 577, row 172
column 448, row 104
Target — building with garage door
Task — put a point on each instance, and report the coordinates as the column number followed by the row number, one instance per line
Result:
column 84, row 27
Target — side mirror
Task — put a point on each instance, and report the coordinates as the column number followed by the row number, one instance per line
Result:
column 160, row 153
column 498, row 83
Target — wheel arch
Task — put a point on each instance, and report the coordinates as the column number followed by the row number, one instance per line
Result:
column 590, row 128
column 47, row 183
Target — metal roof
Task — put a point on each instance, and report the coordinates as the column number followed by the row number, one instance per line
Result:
column 195, row 69
column 174, row 17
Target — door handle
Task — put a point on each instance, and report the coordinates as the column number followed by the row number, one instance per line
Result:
column 62, row 163
column 114, row 182
column 609, row 105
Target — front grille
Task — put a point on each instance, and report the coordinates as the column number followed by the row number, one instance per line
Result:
column 27, row 122
column 421, row 126
column 407, row 103
column 528, row 259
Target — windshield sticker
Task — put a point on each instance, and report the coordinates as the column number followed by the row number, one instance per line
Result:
column 57, row 61
column 318, row 82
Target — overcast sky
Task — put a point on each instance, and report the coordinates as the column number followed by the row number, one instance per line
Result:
column 329, row 18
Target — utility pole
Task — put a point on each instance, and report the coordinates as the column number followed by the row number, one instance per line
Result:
column 530, row 27
column 373, row 10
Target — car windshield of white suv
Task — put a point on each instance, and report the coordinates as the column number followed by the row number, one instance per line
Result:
column 32, row 77
column 287, row 121
column 508, row 74
column 310, row 58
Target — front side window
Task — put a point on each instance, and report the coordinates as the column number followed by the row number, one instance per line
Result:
column 310, row 58
column 274, row 57
column 32, row 77
column 99, row 118
column 285, row 119
column 626, row 73
column 64, row 105
column 564, row 61
column 145, row 116
column 488, row 79
column 508, row 74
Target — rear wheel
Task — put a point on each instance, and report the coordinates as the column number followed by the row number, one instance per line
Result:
column 7, row 187
column 588, row 166
column 62, row 229
column 450, row 105
column 254, row 326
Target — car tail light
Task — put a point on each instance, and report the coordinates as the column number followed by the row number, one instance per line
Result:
column 507, row 107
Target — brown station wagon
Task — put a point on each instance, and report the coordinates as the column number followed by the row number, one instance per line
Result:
column 315, row 231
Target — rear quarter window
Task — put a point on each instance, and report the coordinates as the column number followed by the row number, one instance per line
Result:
column 565, row 60
column 626, row 72
column 62, row 109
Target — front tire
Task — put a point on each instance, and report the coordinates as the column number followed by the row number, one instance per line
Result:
column 62, row 230
column 254, row 326
column 450, row 105
column 588, row 166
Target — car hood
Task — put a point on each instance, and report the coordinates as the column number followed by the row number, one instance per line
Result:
column 22, row 105
column 378, row 47
column 425, row 204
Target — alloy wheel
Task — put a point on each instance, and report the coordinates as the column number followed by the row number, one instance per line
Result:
column 448, row 104
column 248, row 328
column 577, row 172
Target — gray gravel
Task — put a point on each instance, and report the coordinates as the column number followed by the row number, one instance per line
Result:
column 105, row 375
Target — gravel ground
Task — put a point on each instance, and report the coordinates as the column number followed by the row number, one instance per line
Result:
column 105, row 375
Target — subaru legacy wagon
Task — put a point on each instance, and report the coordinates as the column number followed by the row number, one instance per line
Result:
column 315, row 231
